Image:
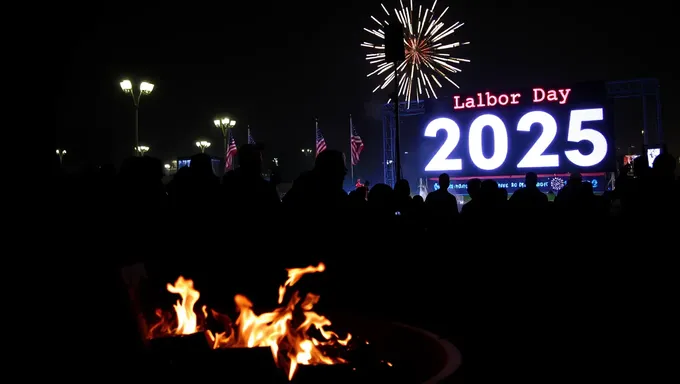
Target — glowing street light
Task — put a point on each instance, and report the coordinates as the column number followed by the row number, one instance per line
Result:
column 61, row 153
column 224, row 124
column 203, row 145
column 306, row 151
column 142, row 149
column 145, row 88
column 166, row 166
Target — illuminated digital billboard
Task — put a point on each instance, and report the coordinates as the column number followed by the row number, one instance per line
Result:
column 186, row 162
column 539, row 129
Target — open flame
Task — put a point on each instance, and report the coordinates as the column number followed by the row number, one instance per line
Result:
column 284, row 330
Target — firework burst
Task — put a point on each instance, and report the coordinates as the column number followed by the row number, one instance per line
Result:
column 428, row 62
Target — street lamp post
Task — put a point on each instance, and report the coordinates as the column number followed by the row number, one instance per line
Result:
column 145, row 88
column 202, row 145
column 61, row 153
column 141, row 150
column 224, row 124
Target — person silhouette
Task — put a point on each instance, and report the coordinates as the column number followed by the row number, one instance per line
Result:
column 529, row 200
column 442, row 205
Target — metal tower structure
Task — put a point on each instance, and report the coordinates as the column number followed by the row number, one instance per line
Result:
column 642, row 88
column 389, row 136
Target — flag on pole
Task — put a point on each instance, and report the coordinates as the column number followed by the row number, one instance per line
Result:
column 231, row 152
column 357, row 146
column 320, row 141
column 250, row 138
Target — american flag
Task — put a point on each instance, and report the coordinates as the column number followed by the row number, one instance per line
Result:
column 231, row 152
column 250, row 138
column 320, row 141
column 357, row 146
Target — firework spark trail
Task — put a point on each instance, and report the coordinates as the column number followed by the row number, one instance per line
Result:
column 426, row 53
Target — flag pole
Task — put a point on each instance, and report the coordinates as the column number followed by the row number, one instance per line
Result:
column 350, row 149
column 316, row 130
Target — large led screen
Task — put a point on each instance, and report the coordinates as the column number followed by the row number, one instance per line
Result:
column 541, row 129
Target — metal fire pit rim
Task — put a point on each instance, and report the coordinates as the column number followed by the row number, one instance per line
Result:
column 453, row 356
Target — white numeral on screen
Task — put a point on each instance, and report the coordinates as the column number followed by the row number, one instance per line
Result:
column 440, row 161
column 535, row 157
column 577, row 134
column 500, row 138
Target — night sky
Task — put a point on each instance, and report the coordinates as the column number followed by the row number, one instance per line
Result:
column 275, row 66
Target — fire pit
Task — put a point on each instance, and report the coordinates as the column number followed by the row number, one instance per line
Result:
column 393, row 352
column 414, row 355
column 290, row 343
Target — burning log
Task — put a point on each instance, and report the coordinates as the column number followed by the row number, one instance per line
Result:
column 340, row 373
column 186, row 350
column 180, row 347
column 371, row 370
column 189, row 356
column 242, row 365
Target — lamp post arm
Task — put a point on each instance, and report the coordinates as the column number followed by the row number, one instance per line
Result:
column 135, row 100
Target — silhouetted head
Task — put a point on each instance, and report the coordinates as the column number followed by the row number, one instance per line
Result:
column 201, row 164
column 330, row 166
column 417, row 199
column 473, row 187
column 503, row 194
column 587, row 188
column 641, row 166
column 531, row 179
column 488, row 190
column 664, row 165
column 250, row 157
column 444, row 181
column 182, row 173
column 575, row 178
column 363, row 192
column 380, row 198
column 402, row 188
column 358, row 197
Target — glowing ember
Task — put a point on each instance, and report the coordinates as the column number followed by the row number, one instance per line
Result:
column 284, row 330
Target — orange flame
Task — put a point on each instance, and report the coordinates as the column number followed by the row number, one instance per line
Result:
column 295, row 274
column 271, row 329
column 186, row 318
column 184, row 310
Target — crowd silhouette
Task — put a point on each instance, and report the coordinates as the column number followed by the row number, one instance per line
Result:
column 386, row 251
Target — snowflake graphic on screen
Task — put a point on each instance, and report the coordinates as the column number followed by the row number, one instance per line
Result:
column 556, row 184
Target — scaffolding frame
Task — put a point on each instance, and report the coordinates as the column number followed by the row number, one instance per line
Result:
column 389, row 135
